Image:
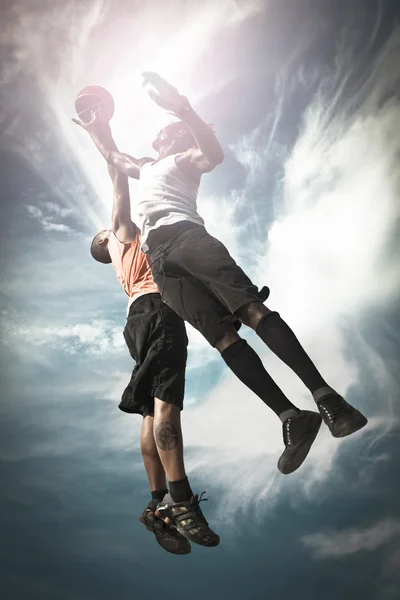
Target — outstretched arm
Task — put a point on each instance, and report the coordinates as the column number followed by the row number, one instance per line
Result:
column 208, row 153
column 100, row 132
column 122, row 224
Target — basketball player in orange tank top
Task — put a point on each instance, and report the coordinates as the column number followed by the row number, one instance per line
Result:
column 157, row 341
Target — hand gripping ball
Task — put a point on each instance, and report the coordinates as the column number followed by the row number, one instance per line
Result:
column 94, row 97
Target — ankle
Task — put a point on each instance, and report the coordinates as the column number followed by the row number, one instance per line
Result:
column 319, row 393
column 288, row 414
column 180, row 490
column 158, row 494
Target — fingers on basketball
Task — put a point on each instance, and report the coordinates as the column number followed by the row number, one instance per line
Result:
column 98, row 113
column 91, row 98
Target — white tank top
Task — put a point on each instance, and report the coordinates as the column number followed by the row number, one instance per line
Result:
column 166, row 196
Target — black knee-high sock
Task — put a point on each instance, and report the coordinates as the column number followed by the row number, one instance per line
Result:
column 247, row 366
column 278, row 336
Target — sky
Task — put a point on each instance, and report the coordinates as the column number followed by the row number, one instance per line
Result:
column 304, row 96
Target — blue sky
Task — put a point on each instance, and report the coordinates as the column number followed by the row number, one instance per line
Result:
column 304, row 96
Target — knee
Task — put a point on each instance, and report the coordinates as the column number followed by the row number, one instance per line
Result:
column 226, row 339
column 251, row 313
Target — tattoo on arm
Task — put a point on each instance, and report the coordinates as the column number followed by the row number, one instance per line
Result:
column 166, row 435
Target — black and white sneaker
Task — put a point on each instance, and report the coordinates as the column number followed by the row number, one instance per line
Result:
column 341, row 418
column 299, row 433
column 167, row 537
column 188, row 519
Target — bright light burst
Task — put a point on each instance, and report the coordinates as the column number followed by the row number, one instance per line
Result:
column 94, row 45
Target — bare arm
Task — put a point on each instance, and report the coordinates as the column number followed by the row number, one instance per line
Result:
column 208, row 153
column 126, row 164
column 100, row 132
column 122, row 224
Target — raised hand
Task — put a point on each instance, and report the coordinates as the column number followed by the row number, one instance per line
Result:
column 98, row 124
column 164, row 94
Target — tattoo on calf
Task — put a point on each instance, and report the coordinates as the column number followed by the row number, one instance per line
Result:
column 167, row 436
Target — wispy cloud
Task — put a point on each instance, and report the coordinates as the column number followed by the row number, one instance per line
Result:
column 96, row 337
column 335, row 544
column 47, row 214
column 58, row 210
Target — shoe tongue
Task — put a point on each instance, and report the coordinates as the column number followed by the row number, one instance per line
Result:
column 168, row 499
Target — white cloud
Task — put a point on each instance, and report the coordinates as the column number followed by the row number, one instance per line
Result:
column 47, row 212
column 219, row 214
column 98, row 336
column 56, row 227
column 34, row 211
column 335, row 544
column 58, row 210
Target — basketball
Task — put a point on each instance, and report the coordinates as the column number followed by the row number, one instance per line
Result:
column 92, row 97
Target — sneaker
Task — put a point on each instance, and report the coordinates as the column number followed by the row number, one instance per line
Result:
column 166, row 536
column 188, row 519
column 299, row 432
column 341, row 418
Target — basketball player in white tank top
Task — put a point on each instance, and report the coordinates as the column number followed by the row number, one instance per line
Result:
column 199, row 279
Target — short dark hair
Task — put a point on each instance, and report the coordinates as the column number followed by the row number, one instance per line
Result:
column 181, row 131
column 100, row 253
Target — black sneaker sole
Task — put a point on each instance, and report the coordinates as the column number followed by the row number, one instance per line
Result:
column 169, row 539
column 303, row 448
column 350, row 426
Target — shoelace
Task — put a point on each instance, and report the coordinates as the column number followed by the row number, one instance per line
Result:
column 335, row 405
column 201, row 499
column 286, row 433
column 196, row 504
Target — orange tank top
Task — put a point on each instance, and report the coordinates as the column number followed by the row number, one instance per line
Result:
column 132, row 268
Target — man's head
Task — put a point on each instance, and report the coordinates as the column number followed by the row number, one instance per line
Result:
column 99, row 247
column 173, row 139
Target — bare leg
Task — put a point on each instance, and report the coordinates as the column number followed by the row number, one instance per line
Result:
column 171, row 542
column 229, row 337
column 177, row 510
column 250, row 314
column 168, row 438
column 152, row 463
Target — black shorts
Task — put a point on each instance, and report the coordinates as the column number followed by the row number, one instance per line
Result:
column 199, row 279
column 157, row 341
